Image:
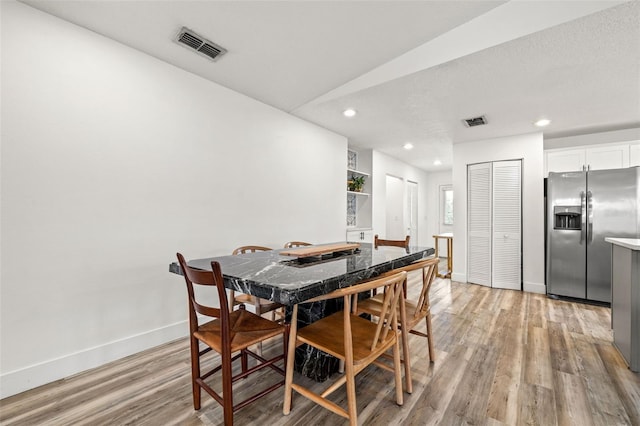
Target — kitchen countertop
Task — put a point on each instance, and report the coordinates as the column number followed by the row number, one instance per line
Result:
column 630, row 243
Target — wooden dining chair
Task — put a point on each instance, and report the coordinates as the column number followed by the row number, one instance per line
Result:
column 412, row 314
column 226, row 333
column 355, row 340
column 261, row 305
column 291, row 244
column 396, row 243
column 376, row 243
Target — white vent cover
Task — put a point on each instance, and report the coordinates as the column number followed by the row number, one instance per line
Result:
column 199, row 44
column 475, row 121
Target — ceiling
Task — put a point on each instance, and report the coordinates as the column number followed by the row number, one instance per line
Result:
column 413, row 70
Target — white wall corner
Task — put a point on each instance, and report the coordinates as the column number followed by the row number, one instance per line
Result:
column 534, row 287
column 14, row 382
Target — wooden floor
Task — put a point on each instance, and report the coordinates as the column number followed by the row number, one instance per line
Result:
column 503, row 357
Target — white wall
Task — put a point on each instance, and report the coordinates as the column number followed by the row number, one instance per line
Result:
column 434, row 181
column 383, row 165
column 111, row 162
column 528, row 148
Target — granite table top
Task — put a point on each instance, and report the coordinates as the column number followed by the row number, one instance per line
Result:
column 279, row 278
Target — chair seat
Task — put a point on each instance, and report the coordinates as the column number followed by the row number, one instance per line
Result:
column 246, row 329
column 265, row 305
column 373, row 305
column 362, row 332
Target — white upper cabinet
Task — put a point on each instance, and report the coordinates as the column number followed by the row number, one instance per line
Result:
column 565, row 160
column 607, row 157
column 634, row 154
column 596, row 157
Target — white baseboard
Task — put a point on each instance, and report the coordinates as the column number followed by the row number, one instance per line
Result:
column 40, row 374
column 462, row 278
column 526, row 286
column 534, row 288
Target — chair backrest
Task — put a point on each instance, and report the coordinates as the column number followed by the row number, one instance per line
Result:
column 429, row 269
column 388, row 320
column 250, row 249
column 193, row 277
column 296, row 244
column 392, row 285
column 396, row 243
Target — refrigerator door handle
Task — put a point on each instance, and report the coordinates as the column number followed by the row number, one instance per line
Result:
column 583, row 216
column 589, row 218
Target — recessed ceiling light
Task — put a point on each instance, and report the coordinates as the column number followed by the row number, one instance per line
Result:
column 542, row 122
column 349, row 112
column 437, row 163
column 408, row 146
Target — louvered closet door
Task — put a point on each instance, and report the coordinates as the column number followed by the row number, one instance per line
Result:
column 507, row 224
column 479, row 224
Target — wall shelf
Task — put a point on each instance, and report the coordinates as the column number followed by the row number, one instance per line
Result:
column 358, row 172
column 359, row 203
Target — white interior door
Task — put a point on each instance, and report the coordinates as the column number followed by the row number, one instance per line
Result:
column 395, row 229
column 412, row 211
column 507, row 224
column 479, row 224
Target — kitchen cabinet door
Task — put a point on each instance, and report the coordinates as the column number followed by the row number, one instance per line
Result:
column 570, row 160
column 607, row 157
column 634, row 154
column 360, row 236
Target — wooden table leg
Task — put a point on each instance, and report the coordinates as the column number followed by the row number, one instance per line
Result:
column 438, row 274
column 449, row 257
column 449, row 270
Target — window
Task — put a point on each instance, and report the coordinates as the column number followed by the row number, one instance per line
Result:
column 446, row 203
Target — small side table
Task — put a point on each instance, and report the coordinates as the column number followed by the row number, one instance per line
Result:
column 449, row 237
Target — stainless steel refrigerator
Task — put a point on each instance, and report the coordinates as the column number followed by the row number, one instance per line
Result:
column 582, row 209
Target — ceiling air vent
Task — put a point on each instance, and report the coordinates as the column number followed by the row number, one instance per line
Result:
column 476, row 121
column 201, row 45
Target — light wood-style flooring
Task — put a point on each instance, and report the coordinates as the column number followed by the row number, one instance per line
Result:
column 502, row 357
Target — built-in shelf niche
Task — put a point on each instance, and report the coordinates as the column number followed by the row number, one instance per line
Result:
column 359, row 203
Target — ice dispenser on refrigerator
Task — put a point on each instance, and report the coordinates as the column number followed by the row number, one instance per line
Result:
column 567, row 217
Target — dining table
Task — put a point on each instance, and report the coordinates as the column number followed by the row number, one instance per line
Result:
column 283, row 277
